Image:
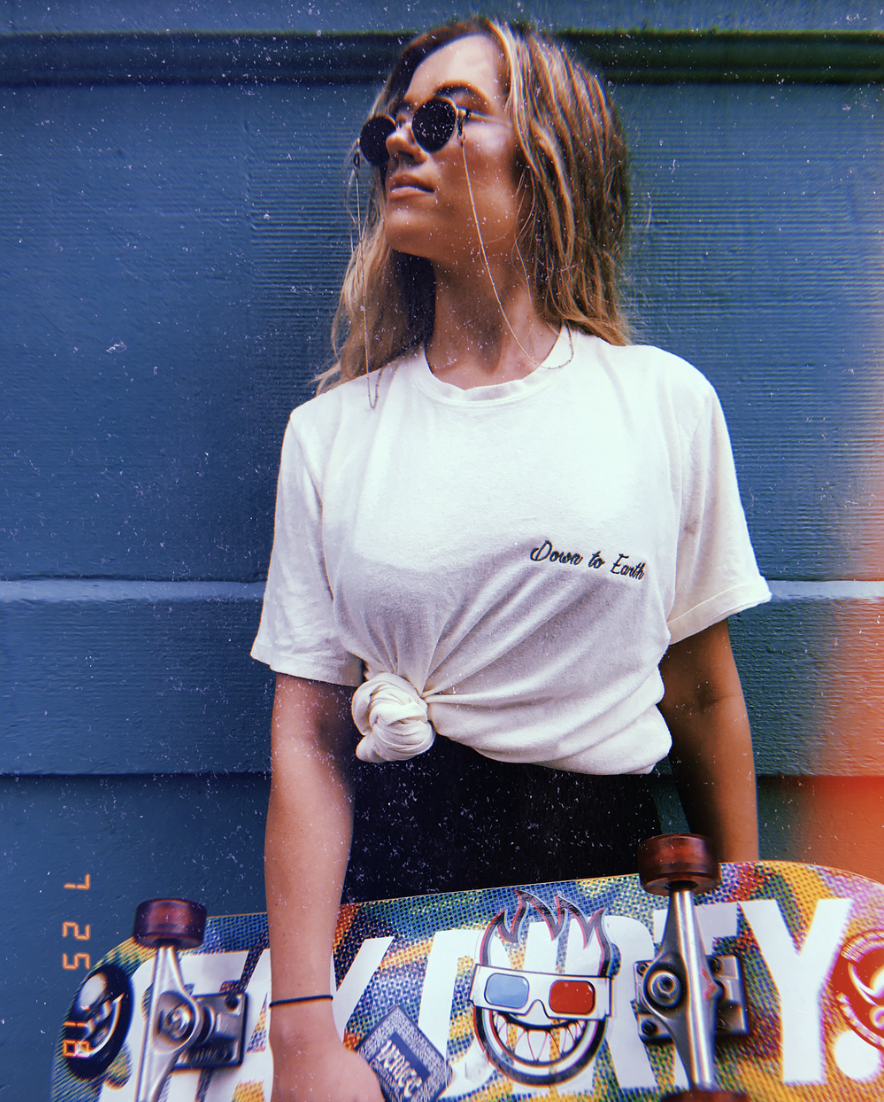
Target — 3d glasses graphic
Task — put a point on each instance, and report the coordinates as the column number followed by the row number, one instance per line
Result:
column 513, row 992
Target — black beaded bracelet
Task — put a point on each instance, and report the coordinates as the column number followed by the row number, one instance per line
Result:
column 300, row 999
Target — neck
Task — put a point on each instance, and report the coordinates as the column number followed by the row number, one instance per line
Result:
column 473, row 343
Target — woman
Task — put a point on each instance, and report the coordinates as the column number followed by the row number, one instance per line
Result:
column 506, row 527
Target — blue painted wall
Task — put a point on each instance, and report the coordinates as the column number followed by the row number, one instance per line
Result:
column 170, row 253
column 395, row 15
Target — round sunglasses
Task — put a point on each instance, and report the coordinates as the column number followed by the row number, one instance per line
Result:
column 432, row 125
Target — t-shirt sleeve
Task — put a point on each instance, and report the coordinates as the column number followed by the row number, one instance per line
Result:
column 716, row 572
column 298, row 635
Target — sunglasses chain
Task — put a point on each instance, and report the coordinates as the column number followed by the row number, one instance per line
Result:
column 466, row 170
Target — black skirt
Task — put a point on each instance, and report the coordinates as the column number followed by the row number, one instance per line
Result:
column 451, row 819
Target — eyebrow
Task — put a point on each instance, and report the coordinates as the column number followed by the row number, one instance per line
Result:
column 442, row 90
column 454, row 89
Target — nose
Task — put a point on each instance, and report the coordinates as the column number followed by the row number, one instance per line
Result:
column 402, row 141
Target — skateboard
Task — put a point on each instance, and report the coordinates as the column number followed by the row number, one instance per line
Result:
column 758, row 981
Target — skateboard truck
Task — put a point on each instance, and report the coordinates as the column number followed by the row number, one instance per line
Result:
column 681, row 994
column 183, row 1031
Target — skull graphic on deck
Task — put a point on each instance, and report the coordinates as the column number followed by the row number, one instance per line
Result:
column 541, row 991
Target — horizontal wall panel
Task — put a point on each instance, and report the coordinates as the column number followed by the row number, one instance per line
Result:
column 756, row 254
column 158, row 684
column 813, row 677
column 144, row 57
column 396, row 15
column 172, row 256
column 161, row 682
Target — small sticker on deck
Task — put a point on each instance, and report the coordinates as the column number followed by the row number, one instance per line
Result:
column 408, row 1065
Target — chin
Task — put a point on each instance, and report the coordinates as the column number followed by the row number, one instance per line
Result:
column 409, row 240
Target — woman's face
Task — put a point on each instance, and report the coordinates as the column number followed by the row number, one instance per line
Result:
column 427, row 211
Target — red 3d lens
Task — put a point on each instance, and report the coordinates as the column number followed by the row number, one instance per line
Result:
column 571, row 997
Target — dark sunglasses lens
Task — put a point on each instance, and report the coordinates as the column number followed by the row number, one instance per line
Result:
column 433, row 124
column 373, row 139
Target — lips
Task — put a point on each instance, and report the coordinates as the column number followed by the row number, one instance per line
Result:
column 402, row 181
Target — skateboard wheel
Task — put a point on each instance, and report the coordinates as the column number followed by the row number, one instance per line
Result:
column 677, row 860
column 697, row 1095
column 177, row 922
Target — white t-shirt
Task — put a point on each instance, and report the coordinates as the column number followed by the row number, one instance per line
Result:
column 522, row 554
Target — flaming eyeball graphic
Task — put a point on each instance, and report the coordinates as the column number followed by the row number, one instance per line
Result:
column 858, row 985
column 871, row 993
column 541, row 990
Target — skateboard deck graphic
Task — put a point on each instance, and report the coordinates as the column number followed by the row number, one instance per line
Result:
column 515, row 993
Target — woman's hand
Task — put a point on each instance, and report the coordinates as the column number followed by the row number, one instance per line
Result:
column 309, row 1062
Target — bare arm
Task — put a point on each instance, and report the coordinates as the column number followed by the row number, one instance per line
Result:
column 711, row 742
column 309, row 826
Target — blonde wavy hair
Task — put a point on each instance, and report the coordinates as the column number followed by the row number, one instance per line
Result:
column 574, row 177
